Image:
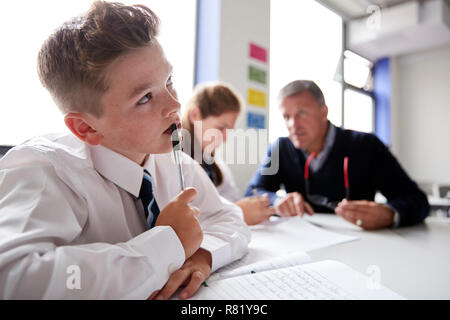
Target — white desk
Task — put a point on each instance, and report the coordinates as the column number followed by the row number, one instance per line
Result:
column 413, row 261
column 440, row 204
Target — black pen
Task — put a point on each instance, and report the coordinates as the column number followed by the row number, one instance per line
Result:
column 176, row 145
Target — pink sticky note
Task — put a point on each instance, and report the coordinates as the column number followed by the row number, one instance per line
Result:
column 258, row 52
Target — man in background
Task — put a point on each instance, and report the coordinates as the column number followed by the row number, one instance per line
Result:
column 329, row 169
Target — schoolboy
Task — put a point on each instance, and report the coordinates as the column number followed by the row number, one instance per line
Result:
column 74, row 222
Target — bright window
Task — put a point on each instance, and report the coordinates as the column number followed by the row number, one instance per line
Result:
column 26, row 108
column 305, row 43
column 358, row 93
column 357, row 71
column 358, row 111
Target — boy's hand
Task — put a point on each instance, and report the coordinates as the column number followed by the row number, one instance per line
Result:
column 183, row 220
column 191, row 275
column 256, row 209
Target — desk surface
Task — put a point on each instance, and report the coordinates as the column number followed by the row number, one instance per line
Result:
column 413, row 261
column 439, row 203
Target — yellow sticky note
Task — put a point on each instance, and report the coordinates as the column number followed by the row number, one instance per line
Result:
column 256, row 98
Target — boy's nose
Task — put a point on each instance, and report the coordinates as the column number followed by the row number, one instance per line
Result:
column 172, row 105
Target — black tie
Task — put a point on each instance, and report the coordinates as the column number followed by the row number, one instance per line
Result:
column 148, row 200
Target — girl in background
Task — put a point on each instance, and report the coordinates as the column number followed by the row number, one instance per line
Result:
column 217, row 106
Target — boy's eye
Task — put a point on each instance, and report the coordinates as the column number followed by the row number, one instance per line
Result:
column 145, row 99
column 170, row 81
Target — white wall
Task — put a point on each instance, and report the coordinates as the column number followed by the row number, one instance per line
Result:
column 21, row 91
column 421, row 114
column 243, row 22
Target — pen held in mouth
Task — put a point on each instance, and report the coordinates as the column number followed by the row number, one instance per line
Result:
column 175, row 136
column 176, row 144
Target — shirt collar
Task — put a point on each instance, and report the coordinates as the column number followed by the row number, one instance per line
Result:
column 317, row 162
column 107, row 162
column 329, row 140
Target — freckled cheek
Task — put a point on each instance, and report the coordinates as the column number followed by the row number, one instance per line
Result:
column 124, row 131
column 136, row 129
column 144, row 123
column 141, row 132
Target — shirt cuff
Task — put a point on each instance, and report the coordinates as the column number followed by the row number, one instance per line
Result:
column 161, row 243
column 220, row 251
column 396, row 221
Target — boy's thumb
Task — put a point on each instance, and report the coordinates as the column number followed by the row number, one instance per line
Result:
column 187, row 195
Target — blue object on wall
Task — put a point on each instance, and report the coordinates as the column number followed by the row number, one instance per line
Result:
column 382, row 93
column 208, row 41
column 256, row 120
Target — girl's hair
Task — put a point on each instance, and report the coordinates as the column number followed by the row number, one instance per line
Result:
column 212, row 99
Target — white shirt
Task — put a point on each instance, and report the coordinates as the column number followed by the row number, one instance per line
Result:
column 227, row 188
column 319, row 160
column 71, row 225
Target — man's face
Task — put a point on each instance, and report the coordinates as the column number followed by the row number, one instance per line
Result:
column 305, row 119
column 140, row 104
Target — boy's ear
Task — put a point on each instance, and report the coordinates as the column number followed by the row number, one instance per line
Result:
column 195, row 114
column 81, row 127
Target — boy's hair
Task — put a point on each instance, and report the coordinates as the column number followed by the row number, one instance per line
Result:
column 212, row 99
column 72, row 62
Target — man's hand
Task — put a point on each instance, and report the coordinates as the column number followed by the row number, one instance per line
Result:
column 292, row 205
column 183, row 220
column 256, row 209
column 371, row 215
column 191, row 275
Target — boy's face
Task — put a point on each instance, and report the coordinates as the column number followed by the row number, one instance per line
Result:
column 140, row 104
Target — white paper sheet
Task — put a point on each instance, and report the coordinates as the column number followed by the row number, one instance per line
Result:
column 285, row 235
column 240, row 268
column 320, row 280
column 281, row 237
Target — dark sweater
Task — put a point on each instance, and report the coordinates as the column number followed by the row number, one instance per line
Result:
column 371, row 168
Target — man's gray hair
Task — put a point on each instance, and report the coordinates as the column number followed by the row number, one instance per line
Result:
column 298, row 86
